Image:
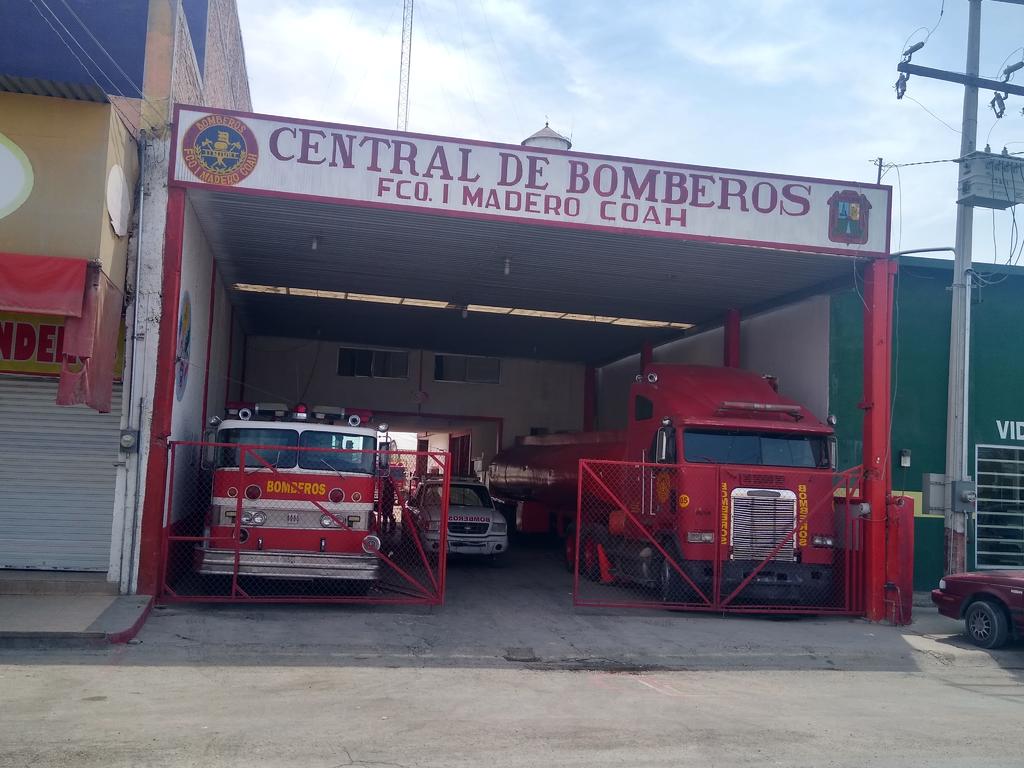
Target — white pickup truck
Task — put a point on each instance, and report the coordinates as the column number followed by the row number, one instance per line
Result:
column 475, row 527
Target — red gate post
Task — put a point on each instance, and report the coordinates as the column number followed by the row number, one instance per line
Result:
column 877, row 405
column 163, row 397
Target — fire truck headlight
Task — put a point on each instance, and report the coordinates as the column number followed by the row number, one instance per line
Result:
column 371, row 545
column 700, row 537
column 942, row 584
column 823, row 541
column 246, row 518
column 259, row 518
column 327, row 521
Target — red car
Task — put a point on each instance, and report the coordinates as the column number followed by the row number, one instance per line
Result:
column 991, row 603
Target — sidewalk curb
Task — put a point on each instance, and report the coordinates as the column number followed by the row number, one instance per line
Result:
column 126, row 635
column 90, row 638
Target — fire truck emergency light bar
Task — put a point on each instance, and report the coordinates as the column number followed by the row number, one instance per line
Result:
column 330, row 413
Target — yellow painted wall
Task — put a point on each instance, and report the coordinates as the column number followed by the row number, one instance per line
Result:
column 121, row 150
column 71, row 146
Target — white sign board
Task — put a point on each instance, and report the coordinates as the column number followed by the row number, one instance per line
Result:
column 372, row 167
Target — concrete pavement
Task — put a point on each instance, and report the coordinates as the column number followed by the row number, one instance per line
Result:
column 507, row 674
column 320, row 714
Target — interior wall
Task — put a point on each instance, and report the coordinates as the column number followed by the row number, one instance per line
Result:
column 532, row 393
column 791, row 343
column 613, row 382
column 220, row 350
column 198, row 278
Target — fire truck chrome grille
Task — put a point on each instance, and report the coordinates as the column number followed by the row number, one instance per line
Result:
column 301, row 519
column 760, row 522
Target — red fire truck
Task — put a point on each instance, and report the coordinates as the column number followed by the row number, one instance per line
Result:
column 304, row 482
column 724, row 471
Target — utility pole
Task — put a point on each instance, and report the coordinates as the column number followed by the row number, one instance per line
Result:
column 956, row 512
column 405, row 67
column 960, row 491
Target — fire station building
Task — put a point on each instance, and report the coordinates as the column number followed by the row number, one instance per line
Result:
column 467, row 292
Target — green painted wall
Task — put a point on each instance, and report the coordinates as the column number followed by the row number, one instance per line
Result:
column 920, row 371
column 920, row 351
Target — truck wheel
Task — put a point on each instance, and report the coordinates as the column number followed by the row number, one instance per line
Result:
column 673, row 587
column 590, row 566
column 986, row 624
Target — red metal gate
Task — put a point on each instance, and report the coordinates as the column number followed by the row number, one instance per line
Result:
column 289, row 524
column 718, row 538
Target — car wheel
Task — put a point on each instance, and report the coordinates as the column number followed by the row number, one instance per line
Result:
column 986, row 624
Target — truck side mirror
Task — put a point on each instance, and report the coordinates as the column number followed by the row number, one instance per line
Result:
column 665, row 448
column 384, row 457
column 209, row 454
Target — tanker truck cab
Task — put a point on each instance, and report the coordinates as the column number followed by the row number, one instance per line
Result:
column 304, row 483
column 748, row 472
column 475, row 526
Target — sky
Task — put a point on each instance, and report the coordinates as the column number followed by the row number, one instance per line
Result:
column 799, row 87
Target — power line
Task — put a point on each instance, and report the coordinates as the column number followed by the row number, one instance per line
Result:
column 128, row 120
column 102, row 48
column 501, row 66
column 922, row 106
column 113, row 85
column 928, row 32
column 889, row 166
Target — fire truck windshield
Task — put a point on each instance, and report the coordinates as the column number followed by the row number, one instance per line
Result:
column 340, row 452
column 768, row 449
column 275, row 445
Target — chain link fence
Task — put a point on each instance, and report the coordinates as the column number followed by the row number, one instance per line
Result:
column 288, row 524
column 717, row 538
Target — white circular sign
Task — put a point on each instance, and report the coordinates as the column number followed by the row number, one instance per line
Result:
column 16, row 176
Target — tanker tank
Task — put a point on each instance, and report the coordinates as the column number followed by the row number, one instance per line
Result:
column 545, row 468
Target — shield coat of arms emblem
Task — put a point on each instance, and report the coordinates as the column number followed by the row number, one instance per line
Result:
column 848, row 217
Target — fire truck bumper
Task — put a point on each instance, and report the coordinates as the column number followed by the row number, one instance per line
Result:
column 780, row 583
column 289, row 565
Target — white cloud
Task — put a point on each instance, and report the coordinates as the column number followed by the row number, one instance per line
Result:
column 778, row 85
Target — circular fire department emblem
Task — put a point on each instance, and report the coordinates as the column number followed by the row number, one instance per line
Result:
column 219, row 149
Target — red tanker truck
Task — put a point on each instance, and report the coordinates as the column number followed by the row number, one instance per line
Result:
column 716, row 477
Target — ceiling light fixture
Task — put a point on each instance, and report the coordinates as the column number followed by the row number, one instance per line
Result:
column 464, row 309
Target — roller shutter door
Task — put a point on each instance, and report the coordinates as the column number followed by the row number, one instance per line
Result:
column 57, row 478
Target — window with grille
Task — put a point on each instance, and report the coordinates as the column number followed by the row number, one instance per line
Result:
column 373, row 363
column 999, row 523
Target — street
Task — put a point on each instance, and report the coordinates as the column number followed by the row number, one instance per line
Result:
column 520, row 679
column 113, row 712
